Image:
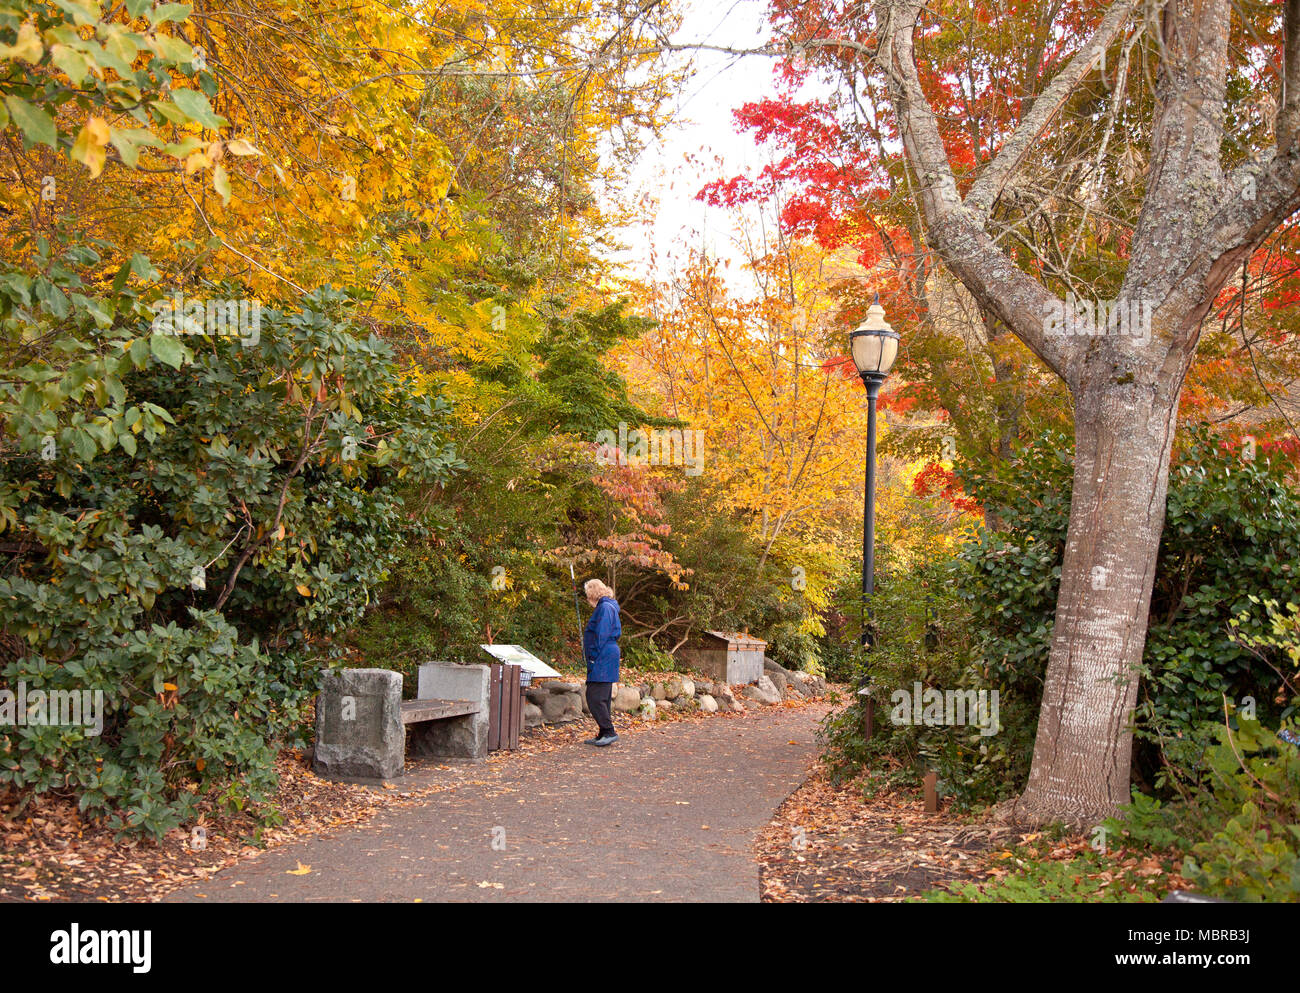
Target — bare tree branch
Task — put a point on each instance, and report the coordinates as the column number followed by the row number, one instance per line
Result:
column 999, row 286
column 1012, row 154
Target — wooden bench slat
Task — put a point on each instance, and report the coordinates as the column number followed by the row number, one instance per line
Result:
column 415, row 711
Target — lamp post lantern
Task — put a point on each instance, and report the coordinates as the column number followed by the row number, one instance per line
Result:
column 874, row 346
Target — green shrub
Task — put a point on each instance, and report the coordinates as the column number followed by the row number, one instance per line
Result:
column 1088, row 877
column 1251, row 860
column 195, row 575
column 642, row 653
column 1238, row 822
column 1275, row 636
column 927, row 639
column 474, row 568
column 1232, row 539
column 1232, row 532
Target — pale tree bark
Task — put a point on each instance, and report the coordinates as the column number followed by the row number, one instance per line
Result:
column 1195, row 228
column 1123, row 435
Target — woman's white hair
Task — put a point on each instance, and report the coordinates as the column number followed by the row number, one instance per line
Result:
column 595, row 588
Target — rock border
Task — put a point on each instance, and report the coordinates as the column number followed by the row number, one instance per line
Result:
column 561, row 701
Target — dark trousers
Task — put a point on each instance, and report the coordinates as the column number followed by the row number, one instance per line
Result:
column 599, row 697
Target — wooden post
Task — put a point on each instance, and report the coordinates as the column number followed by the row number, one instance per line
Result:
column 494, row 706
column 931, row 792
column 512, row 707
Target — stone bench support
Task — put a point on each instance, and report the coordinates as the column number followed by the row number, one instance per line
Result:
column 361, row 722
column 464, row 737
column 359, row 730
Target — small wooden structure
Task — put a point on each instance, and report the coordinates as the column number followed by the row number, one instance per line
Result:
column 726, row 656
column 505, row 707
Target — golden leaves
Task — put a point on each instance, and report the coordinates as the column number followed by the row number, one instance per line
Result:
column 221, row 183
column 89, row 148
column 198, row 160
column 27, row 48
column 71, row 62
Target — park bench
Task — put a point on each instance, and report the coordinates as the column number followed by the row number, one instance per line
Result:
column 418, row 711
column 364, row 728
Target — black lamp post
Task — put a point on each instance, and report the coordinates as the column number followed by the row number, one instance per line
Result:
column 874, row 346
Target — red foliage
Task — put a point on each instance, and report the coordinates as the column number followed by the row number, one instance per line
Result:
column 1285, row 449
column 899, row 402
column 935, row 479
column 633, row 543
column 826, row 186
column 841, row 365
column 835, row 173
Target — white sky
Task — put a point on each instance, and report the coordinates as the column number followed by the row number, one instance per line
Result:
column 703, row 145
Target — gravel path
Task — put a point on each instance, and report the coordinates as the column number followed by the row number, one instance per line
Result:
column 669, row 813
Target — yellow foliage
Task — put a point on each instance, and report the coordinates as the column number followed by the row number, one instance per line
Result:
column 784, row 414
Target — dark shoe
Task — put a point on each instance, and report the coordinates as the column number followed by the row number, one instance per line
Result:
column 605, row 740
column 593, row 741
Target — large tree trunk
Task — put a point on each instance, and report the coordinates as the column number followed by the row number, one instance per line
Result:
column 1200, row 220
column 1123, row 436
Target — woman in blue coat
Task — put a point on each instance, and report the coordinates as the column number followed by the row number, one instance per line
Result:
column 600, row 649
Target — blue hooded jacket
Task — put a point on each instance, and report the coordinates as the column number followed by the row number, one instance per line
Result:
column 600, row 642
